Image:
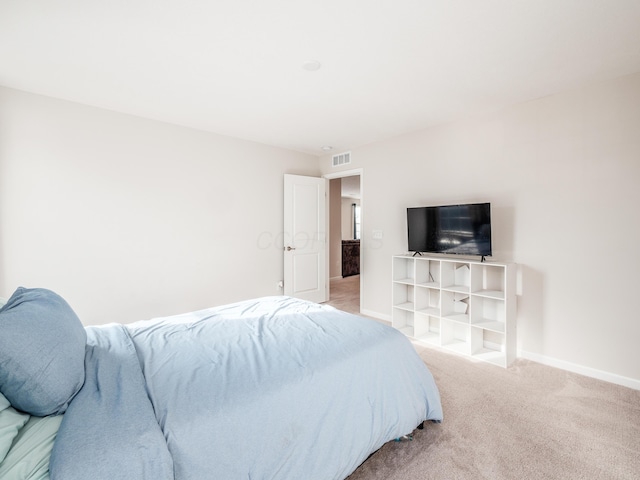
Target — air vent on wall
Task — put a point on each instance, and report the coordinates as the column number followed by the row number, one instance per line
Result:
column 341, row 159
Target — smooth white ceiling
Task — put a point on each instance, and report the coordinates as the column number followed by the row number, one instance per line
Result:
column 234, row 67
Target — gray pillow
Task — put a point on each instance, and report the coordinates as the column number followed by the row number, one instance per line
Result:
column 42, row 344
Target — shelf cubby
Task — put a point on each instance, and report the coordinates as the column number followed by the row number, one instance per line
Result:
column 404, row 270
column 456, row 276
column 427, row 301
column 403, row 296
column 488, row 313
column 427, row 273
column 455, row 336
column 427, row 328
column 403, row 321
column 455, row 306
column 488, row 346
column 488, row 280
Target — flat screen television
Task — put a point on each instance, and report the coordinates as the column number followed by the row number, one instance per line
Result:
column 456, row 229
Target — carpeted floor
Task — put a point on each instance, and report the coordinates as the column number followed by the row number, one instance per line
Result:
column 529, row 421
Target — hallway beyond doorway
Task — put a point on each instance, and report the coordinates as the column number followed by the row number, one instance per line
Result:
column 345, row 294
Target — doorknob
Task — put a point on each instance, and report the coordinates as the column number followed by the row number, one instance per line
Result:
column 289, row 248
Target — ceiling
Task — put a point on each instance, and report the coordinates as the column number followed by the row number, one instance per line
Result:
column 235, row 67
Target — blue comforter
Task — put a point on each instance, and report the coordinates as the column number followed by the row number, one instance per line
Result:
column 274, row 388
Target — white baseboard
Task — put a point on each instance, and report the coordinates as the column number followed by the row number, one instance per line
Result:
column 582, row 370
column 379, row 316
column 551, row 362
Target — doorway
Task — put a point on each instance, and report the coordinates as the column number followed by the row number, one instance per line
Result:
column 345, row 227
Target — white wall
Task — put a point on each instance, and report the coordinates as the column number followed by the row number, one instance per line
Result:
column 563, row 176
column 129, row 218
column 347, row 217
column 335, row 228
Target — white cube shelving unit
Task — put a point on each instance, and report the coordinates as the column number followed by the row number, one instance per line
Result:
column 466, row 306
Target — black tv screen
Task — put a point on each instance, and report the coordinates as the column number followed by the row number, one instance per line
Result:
column 457, row 229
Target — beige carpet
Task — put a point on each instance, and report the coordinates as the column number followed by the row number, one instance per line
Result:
column 529, row 421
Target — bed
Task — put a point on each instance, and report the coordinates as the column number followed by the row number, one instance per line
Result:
column 270, row 388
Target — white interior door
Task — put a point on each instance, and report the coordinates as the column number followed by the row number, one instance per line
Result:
column 305, row 222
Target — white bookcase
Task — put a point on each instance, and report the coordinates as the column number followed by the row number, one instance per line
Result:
column 466, row 306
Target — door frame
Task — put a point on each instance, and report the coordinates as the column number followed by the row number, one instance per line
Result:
column 342, row 174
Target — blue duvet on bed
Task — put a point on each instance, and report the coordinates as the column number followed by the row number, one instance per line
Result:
column 274, row 388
